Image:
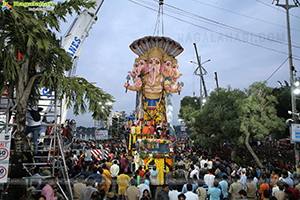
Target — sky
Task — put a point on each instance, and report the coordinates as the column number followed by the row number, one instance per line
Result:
column 106, row 57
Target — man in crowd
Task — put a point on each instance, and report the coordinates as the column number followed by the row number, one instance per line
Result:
column 163, row 194
column 123, row 183
column 87, row 191
column 132, row 192
column 190, row 195
column 114, row 171
column 173, row 194
column 143, row 187
column 234, row 189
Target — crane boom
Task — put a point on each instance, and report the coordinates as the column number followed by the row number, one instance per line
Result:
column 72, row 43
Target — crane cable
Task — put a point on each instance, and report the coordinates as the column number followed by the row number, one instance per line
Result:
column 159, row 15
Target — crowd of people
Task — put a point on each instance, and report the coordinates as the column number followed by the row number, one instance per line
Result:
column 195, row 174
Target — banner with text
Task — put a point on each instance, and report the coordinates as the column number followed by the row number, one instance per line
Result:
column 295, row 132
column 101, row 134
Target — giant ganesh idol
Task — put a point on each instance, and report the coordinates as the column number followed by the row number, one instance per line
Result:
column 155, row 74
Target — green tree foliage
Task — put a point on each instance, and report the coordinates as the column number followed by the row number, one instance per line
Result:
column 258, row 116
column 43, row 64
column 219, row 120
column 188, row 107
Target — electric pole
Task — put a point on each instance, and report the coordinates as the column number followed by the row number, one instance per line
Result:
column 287, row 7
column 201, row 74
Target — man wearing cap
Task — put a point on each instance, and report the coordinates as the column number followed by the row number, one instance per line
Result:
column 132, row 192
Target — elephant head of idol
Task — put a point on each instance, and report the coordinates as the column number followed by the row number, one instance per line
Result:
column 142, row 65
column 167, row 68
column 155, row 56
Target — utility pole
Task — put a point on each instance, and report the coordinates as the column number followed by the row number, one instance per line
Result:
column 286, row 6
column 201, row 74
column 216, row 78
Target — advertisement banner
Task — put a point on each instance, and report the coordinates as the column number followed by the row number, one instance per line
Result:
column 295, row 132
column 101, row 134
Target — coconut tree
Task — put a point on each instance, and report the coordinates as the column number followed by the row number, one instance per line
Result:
column 31, row 57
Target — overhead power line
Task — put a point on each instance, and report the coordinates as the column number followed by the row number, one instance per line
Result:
column 225, row 25
column 240, row 14
column 276, row 8
column 237, row 39
column 277, row 69
column 181, row 12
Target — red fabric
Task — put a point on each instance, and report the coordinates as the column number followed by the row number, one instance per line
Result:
column 64, row 133
column 141, row 173
column 152, row 129
column 294, row 191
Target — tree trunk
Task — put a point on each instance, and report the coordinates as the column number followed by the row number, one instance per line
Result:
column 252, row 152
column 22, row 94
column 233, row 152
column 209, row 151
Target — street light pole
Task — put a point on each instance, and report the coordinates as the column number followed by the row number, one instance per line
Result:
column 286, row 6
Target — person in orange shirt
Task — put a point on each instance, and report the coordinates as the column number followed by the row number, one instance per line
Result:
column 262, row 188
column 141, row 172
column 145, row 131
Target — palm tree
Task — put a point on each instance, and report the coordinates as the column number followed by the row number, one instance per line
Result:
column 42, row 64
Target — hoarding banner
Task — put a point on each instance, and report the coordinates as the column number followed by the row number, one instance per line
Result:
column 101, row 134
column 295, row 132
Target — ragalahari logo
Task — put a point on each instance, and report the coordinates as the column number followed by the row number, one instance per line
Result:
column 5, row 6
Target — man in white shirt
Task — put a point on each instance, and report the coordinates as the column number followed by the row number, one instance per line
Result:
column 209, row 179
column 114, row 171
column 143, row 187
column 202, row 162
column 194, row 172
column 173, row 194
column 190, row 195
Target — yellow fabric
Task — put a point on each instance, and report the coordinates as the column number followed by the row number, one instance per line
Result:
column 129, row 148
column 134, row 138
column 160, row 162
column 138, row 130
column 146, row 164
column 123, row 183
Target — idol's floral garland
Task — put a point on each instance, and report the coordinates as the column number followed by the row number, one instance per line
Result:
column 144, row 151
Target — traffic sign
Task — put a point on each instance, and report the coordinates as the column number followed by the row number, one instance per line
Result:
column 4, row 155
